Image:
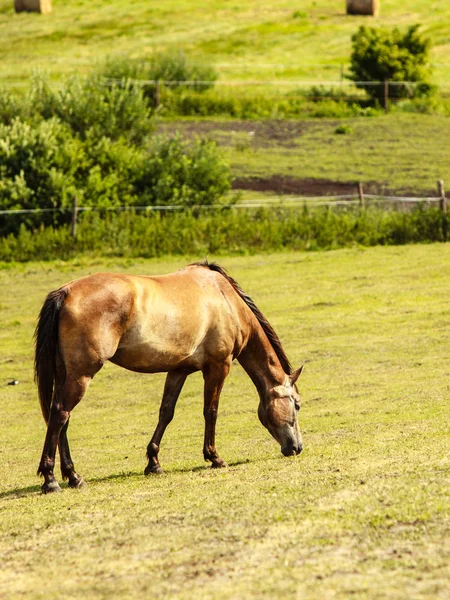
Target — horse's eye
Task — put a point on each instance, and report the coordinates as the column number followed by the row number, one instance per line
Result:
column 297, row 405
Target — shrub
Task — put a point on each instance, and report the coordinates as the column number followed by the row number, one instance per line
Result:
column 42, row 166
column 92, row 108
column 318, row 93
column 11, row 107
column 29, row 159
column 122, row 68
column 259, row 105
column 35, row 173
column 380, row 55
column 225, row 231
column 184, row 173
column 171, row 68
column 175, row 67
column 343, row 130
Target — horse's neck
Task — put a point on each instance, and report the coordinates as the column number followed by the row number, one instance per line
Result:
column 261, row 363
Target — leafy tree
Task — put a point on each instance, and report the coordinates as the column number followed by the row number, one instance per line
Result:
column 379, row 55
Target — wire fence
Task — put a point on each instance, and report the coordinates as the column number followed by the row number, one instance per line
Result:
column 316, row 90
column 342, row 89
column 358, row 198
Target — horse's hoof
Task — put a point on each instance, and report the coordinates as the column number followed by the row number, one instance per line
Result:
column 154, row 469
column 77, row 483
column 49, row 488
column 219, row 463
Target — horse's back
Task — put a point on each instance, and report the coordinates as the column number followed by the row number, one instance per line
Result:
column 181, row 320
column 150, row 324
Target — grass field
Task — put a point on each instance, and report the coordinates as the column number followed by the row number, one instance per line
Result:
column 363, row 512
column 308, row 39
column 396, row 152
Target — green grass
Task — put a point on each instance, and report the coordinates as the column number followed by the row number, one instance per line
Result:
column 363, row 512
column 249, row 39
column 399, row 152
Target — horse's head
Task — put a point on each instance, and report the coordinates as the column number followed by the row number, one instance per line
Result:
column 278, row 413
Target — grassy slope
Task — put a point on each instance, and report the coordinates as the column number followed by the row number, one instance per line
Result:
column 243, row 36
column 365, row 509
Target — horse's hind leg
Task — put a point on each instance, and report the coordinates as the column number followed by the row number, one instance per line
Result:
column 66, row 398
column 174, row 383
column 67, row 466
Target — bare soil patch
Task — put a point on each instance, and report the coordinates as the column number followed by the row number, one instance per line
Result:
column 291, row 185
column 281, row 184
column 264, row 133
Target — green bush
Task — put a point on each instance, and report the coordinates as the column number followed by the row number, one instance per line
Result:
column 43, row 166
column 11, row 107
column 175, row 67
column 245, row 103
column 92, row 108
column 185, row 173
column 343, row 130
column 318, row 93
column 30, row 161
column 171, row 68
column 388, row 55
column 89, row 140
column 122, row 68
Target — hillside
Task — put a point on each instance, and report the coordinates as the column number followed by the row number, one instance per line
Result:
column 250, row 39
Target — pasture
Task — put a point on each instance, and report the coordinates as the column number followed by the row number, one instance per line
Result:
column 389, row 154
column 363, row 512
column 251, row 39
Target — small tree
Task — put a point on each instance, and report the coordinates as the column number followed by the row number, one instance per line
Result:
column 383, row 55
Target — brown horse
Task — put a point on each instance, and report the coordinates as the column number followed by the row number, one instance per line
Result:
column 196, row 319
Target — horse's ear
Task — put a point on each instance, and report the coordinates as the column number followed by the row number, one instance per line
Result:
column 295, row 375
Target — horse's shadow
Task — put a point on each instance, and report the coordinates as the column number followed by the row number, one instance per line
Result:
column 20, row 492
column 36, row 489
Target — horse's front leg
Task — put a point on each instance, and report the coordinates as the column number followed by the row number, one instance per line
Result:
column 214, row 376
column 173, row 386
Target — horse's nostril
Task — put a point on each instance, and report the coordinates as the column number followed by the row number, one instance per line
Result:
column 287, row 450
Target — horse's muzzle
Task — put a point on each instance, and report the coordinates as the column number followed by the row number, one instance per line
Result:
column 291, row 449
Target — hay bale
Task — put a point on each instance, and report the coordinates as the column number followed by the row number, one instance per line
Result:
column 363, row 7
column 40, row 6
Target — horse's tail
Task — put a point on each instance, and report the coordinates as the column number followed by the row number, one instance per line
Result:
column 46, row 337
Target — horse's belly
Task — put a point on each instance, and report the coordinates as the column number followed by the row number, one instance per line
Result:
column 158, row 354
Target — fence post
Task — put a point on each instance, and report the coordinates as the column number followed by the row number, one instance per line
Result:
column 441, row 192
column 362, row 200
column 157, row 93
column 443, row 206
column 386, row 96
column 74, row 217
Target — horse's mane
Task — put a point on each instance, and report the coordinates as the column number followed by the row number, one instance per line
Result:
column 266, row 326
